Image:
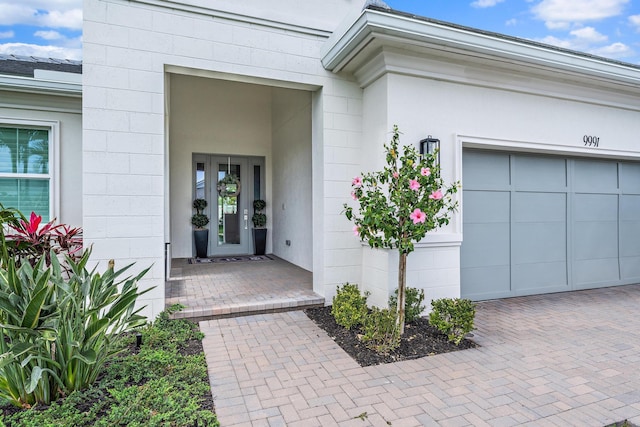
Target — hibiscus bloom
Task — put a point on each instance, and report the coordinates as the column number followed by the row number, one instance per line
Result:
column 414, row 184
column 396, row 175
column 354, row 196
column 357, row 182
column 356, row 230
column 436, row 195
column 418, row 216
column 425, row 171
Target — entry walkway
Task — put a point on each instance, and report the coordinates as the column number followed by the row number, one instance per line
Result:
column 570, row 359
column 239, row 288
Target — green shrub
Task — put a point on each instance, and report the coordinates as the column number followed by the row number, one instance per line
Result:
column 349, row 306
column 381, row 330
column 453, row 317
column 56, row 332
column 155, row 386
column 413, row 307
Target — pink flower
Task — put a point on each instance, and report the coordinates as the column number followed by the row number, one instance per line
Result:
column 436, row 195
column 357, row 182
column 396, row 175
column 356, row 230
column 418, row 216
column 414, row 184
column 425, row 171
column 354, row 196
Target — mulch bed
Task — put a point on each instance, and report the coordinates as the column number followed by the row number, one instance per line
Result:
column 420, row 339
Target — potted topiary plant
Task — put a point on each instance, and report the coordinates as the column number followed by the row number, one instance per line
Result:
column 259, row 231
column 200, row 234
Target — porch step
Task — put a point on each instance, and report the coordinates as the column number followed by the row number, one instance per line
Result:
column 197, row 314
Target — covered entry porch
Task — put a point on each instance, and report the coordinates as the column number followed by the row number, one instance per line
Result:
column 230, row 289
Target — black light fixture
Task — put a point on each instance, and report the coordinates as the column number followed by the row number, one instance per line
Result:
column 429, row 145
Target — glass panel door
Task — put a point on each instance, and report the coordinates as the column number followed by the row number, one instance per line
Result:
column 230, row 226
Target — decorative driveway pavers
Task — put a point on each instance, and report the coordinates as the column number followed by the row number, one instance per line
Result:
column 570, row 359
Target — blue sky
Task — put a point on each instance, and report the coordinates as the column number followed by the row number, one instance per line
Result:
column 44, row 28
column 609, row 28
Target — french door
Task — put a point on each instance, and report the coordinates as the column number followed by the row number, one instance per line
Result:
column 229, row 184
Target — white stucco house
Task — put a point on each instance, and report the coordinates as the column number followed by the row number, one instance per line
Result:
column 298, row 97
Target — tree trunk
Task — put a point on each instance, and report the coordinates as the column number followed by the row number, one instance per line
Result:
column 402, row 279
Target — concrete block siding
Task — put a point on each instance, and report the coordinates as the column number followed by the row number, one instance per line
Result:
column 128, row 48
column 435, row 269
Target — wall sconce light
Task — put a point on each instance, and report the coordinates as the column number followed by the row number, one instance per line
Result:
column 429, row 145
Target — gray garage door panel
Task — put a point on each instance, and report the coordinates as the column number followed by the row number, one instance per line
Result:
column 630, row 178
column 535, row 224
column 595, row 176
column 535, row 173
column 475, row 170
column 540, row 207
column 487, row 270
column 630, row 234
column 595, row 273
column 487, row 282
column 540, row 278
column 487, row 206
column 538, row 243
column 630, row 269
column 488, row 244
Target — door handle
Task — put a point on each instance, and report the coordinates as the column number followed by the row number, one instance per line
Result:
column 246, row 222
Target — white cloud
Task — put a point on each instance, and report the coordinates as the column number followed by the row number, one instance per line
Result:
column 615, row 50
column 582, row 39
column 554, row 41
column 55, row 14
column 49, row 35
column 561, row 13
column 584, row 42
column 589, row 35
column 485, row 3
column 7, row 34
column 635, row 21
column 53, row 19
column 25, row 49
column 511, row 22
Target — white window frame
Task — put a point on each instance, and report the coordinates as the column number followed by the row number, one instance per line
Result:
column 53, row 126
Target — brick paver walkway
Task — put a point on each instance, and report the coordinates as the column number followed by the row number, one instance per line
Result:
column 569, row 359
column 232, row 289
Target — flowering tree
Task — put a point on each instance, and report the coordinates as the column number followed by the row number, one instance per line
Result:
column 399, row 205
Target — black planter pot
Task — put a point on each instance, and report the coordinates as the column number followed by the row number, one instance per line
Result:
column 259, row 240
column 201, row 238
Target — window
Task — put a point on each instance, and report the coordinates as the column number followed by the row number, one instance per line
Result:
column 26, row 178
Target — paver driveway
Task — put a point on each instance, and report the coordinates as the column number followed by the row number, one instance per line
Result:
column 570, row 359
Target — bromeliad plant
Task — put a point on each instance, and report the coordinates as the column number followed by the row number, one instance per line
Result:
column 399, row 205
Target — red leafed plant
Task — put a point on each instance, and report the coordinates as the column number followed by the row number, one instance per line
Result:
column 30, row 241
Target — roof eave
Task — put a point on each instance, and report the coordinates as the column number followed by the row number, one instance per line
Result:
column 379, row 25
column 30, row 85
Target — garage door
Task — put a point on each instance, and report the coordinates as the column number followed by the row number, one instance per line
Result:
column 537, row 224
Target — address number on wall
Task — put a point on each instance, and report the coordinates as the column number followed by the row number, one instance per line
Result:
column 591, row 141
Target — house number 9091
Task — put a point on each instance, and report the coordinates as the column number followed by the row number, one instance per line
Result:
column 590, row 141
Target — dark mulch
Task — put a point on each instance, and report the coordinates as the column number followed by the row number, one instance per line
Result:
column 420, row 339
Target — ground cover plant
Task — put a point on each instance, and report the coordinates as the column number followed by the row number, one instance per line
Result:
column 63, row 327
column 163, row 382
